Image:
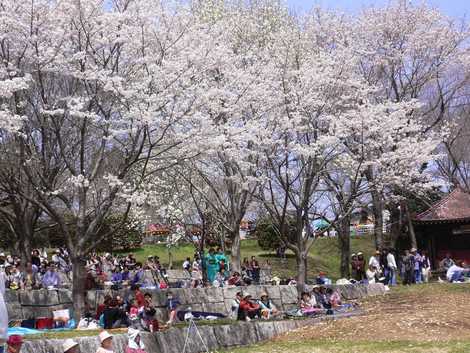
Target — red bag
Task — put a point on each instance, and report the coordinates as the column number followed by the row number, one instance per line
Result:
column 44, row 323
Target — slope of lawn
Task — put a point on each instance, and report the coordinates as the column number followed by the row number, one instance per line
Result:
column 424, row 318
column 324, row 255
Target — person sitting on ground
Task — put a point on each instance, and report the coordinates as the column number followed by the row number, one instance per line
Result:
column 235, row 280
column 456, row 273
column 133, row 310
column 446, row 262
column 14, row 344
column 187, row 265
column 220, row 278
column 134, row 343
column 250, row 309
column 172, row 304
column 113, row 316
column 70, row 346
column 147, row 314
column 267, row 307
column 29, row 278
column 138, row 295
column 333, row 298
column 371, row 274
column 102, row 306
column 106, row 341
column 139, row 274
column 235, row 308
column 308, row 304
column 51, row 279
column 322, row 279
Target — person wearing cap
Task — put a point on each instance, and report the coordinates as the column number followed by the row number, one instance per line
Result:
column 14, row 344
column 249, row 309
column 106, row 342
column 267, row 307
column 134, row 344
column 70, row 346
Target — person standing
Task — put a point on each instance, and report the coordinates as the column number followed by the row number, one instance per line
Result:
column 361, row 266
column 212, row 266
column 392, row 268
column 408, row 268
column 255, row 269
column 417, row 265
column 426, row 266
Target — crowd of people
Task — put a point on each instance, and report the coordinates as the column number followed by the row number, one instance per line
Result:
column 134, row 343
column 104, row 271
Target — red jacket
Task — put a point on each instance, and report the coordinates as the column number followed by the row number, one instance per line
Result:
column 247, row 305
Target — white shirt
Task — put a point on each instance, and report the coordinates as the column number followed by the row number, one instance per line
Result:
column 373, row 261
column 370, row 276
column 3, row 309
column 391, row 261
column 452, row 270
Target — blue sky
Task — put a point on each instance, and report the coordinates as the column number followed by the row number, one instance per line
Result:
column 454, row 8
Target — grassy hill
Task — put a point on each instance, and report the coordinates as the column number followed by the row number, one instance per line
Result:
column 324, row 255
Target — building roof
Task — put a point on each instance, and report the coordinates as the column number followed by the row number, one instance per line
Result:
column 453, row 208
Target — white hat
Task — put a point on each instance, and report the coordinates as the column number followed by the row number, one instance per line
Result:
column 413, row 250
column 2, row 254
column 246, row 295
column 104, row 335
column 359, row 253
column 69, row 344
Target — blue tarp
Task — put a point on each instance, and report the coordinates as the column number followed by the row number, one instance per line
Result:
column 29, row 331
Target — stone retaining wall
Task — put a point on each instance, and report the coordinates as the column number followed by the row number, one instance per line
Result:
column 172, row 340
column 41, row 303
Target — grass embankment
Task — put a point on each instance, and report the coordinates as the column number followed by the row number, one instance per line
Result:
column 416, row 319
column 324, row 255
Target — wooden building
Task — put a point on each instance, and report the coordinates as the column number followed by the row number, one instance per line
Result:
column 445, row 228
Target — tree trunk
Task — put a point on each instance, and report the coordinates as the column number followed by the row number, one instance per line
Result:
column 301, row 260
column 345, row 247
column 411, row 229
column 395, row 225
column 78, row 286
column 235, row 256
column 170, row 259
column 377, row 209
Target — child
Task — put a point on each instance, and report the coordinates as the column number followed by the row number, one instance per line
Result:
column 172, row 305
column 135, row 344
column 106, row 341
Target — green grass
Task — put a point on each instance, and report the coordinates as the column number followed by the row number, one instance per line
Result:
column 375, row 346
column 324, row 255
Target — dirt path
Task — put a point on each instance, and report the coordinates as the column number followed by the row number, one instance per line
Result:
column 423, row 313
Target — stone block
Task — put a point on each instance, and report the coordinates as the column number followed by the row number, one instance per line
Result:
column 215, row 308
column 265, row 330
column 240, row 334
column 273, row 291
column 42, row 297
column 14, row 311
column 12, row 296
column 159, row 298
column 65, row 296
column 288, row 294
column 375, row 289
column 230, row 292
column 161, row 314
